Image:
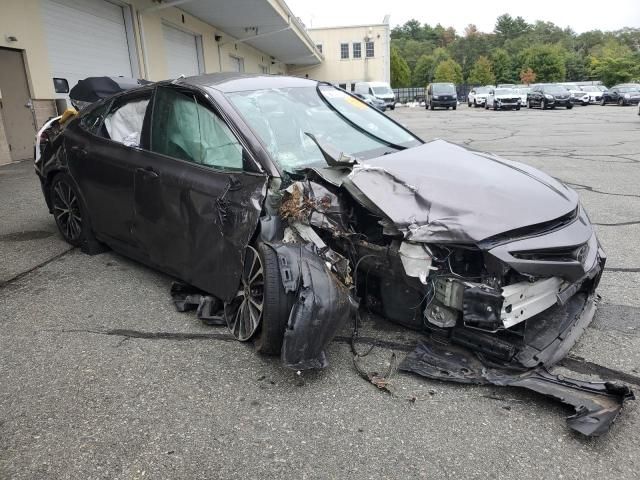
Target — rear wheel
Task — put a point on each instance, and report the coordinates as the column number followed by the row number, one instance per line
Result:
column 621, row 102
column 529, row 104
column 68, row 210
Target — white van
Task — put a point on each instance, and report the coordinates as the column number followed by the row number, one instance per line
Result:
column 380, row 90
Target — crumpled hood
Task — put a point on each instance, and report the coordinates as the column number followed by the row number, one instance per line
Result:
column 441, row 192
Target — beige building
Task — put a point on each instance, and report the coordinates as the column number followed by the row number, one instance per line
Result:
column 152, row 39
column 352, row 54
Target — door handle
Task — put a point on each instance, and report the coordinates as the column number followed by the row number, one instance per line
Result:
column 79, row 150
column 147, row 172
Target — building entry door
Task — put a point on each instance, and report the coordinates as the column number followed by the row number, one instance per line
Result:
column 15, row 105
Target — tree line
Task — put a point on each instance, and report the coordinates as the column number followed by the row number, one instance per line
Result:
column 515, row 52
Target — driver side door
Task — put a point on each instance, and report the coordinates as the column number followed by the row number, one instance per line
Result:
column 198, row 195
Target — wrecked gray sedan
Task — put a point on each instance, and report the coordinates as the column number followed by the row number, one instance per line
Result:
column 289, row 204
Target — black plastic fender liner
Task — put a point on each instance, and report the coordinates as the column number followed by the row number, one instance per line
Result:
column 323, row 305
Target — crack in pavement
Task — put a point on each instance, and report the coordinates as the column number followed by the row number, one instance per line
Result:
column 617, row 224
column 581, row 365
column 17, row 277
column 573, row 363
column 589, row 188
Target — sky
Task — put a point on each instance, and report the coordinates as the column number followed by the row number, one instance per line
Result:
column 580, row 15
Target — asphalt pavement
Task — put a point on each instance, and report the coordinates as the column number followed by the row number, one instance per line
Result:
column 100, row 377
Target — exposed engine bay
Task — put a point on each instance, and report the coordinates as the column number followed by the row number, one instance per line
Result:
column 485, row 320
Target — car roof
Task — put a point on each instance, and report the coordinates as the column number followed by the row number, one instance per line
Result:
column 228, row 82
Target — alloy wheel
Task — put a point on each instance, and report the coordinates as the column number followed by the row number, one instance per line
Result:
column 66, row 210
column 244, row 313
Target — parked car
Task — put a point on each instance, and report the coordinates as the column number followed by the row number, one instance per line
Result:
column 623, row 94
column 281, row 197
column 578, row 96
column 502, row 98
column 594, row 92
column 373, row 101
column 522, row 92
column 441, row 95
column 380, row 90
column 478, row 96
column 549, row 96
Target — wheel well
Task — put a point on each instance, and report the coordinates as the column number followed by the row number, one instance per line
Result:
column 46, row 186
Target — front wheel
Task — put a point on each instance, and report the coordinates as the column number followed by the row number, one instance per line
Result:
column 454, row 107
column 529, row 104
column 569, row 107
column 518, row 107
column 543, row 105
column 261, row 307
column 621, row 102
column 431, row 106
column 602, row 103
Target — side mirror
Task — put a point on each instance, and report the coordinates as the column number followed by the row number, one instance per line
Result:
column 61, row 85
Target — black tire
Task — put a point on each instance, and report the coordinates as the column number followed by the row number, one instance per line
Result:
column 569, row 106
column 602, row 102
column 621, row 102
column 529, row 104
column 392, row 107
column 518, row 107
column 431, row 106
column 277, row 305
column 543, row 105
column 454, row 107
column 70, row 212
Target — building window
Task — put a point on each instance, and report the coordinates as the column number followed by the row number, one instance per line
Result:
column 342, row 86
column 344, row 50
column 237, row 64
column 319, row 47
column 357, row 50
column 353, row 87
column 370, row 49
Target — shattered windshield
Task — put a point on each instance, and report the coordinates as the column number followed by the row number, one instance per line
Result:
column 282, row 118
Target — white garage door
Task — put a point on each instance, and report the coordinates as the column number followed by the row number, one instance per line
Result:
column 182, row 52
column 86, row 38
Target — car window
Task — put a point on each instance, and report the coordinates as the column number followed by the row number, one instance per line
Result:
column 182, row 127
column 123, row 123
column 92, row 120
